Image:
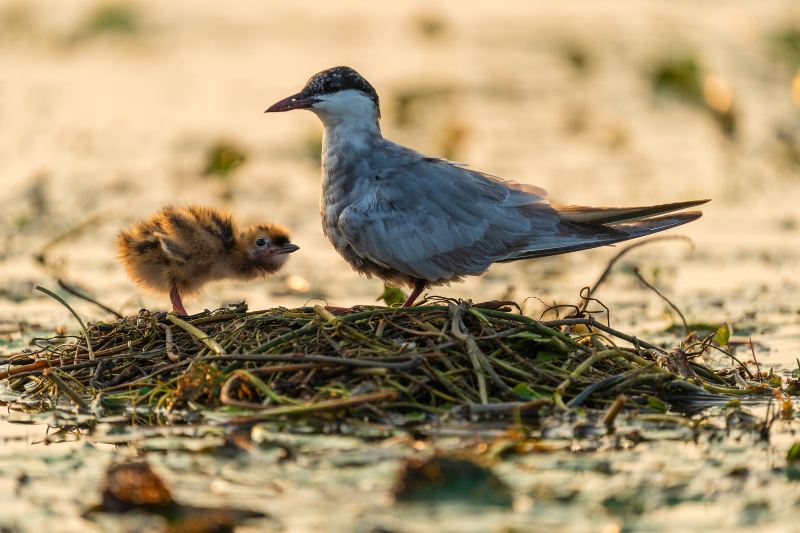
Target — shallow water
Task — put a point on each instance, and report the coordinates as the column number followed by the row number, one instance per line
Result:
column 100, row 130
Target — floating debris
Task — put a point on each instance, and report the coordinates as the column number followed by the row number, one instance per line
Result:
column 437, row 479
column 135, row 487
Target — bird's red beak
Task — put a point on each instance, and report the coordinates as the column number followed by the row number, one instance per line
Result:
column 296, row 101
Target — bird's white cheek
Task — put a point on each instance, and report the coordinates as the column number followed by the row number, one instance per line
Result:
column 346, row 106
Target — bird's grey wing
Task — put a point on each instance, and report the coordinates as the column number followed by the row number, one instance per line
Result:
column 525, row 188
column 435, row 221
column 576, row 237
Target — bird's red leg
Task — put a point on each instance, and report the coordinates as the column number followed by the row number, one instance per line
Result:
column 177, row 304
column 419, row 286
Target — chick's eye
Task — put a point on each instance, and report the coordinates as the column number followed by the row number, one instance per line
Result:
column 261, row 243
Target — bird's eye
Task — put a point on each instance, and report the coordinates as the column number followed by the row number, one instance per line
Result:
column 261, row 243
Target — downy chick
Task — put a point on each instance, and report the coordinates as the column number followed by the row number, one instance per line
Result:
column 180, row 249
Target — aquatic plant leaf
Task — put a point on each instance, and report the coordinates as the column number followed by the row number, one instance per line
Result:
column 793, row 455
column 528, row 340
column 657, row 404
column 723, row 335
column 524, row 390
column 392, row 296
column 793, row 462
column 546, row 357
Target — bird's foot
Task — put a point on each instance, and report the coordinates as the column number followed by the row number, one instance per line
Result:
column 177, row 303
column 419, row 286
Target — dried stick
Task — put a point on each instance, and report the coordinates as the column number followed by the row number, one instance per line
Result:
column 66, row 389
column 590, row 321
column 60, row 300
column 168, row 345
column 660, row 295
column 325, row 405
column 613, row 410
column 585, row 302
column 75, row 292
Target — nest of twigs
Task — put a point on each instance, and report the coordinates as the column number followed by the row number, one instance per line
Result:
column 444, row 359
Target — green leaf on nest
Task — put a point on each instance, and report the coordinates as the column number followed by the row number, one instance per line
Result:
column 657, row 404
column 547, row 357
column 392, row 296
column 527, row 339
column 723, row 334
column 522, row 389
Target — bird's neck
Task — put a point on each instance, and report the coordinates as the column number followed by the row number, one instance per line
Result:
column 241, row 265
column 352, row 134
column 349, row 133
column 346, row 147
column 244, row 266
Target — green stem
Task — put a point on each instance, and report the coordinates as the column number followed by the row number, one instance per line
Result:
column 197, row 334
column 63, row 302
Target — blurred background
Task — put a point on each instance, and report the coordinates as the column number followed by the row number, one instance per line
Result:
column 109, row 110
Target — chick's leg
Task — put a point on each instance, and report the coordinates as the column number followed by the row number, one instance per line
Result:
column 177, row 303
column 419, row 286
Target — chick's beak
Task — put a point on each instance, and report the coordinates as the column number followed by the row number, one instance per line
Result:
column 287, row 248
column 296, row 101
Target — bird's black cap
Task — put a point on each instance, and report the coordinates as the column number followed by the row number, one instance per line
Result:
column 338, row 79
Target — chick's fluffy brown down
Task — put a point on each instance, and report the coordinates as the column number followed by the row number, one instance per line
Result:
column 186, row 247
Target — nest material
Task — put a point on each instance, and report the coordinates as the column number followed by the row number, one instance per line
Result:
column 390, row 365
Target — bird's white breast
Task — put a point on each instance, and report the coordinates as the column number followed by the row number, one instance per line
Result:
column 346, row 169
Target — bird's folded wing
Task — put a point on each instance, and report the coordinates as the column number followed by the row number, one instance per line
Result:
column 172, row 250
column 437, row 221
